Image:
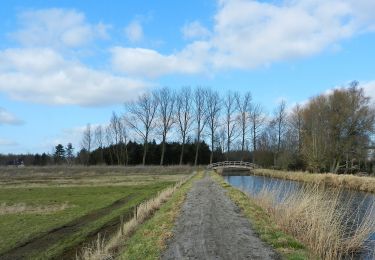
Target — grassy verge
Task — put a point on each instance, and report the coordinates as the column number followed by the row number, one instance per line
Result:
column 284, row 244
column 360, row 183
column 148, row 241
column 19, row 227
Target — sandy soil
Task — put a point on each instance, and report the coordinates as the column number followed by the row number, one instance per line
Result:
column 211, row 227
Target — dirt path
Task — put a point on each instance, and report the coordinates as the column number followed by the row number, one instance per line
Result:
column 211, row 227
column 43, row 242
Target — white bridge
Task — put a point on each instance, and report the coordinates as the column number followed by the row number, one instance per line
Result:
column 232, row 164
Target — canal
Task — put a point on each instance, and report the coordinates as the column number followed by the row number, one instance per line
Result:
column 357, row 204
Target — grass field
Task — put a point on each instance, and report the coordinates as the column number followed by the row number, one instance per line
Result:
column 57, row 210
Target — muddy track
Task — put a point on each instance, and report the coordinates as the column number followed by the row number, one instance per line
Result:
column 211, row 227
column 44, row 241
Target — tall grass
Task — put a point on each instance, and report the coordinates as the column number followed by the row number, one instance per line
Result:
column 107, row 249
column 318, row 218
column 361, row 183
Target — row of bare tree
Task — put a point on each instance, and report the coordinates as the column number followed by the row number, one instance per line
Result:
column 329, row 132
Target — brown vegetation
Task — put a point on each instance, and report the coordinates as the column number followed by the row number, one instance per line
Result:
column 319, row 219
column 18, row 208
column 360, row 183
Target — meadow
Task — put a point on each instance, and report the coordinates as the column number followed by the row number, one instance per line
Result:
column 51, row 211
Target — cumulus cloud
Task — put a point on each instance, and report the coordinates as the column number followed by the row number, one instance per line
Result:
column 6, row 142
column 369, row 88
column 134, row 31
column 7, row 118
column 150, row 63
column 194, row 30
column 42, row 75
column 249, row 34
column 56, row 28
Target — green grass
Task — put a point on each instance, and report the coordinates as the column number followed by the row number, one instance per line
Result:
column 284, row 244
column 148, row 242
column 18, row 228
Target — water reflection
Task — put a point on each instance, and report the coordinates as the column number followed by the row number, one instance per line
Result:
column 359, row 203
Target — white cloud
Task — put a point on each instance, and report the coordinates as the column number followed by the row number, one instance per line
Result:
column 43, row 76
column 249, row 34
column 150, row 63
column 134, row 31
column 369, row 88
column 194, row 30
column 7, row 118
column 56, row 28
column 6, row 142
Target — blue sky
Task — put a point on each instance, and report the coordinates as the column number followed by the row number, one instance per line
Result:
column 64, row 64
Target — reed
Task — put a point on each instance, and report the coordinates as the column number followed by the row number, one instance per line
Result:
column 319, row 218
column 360, row 183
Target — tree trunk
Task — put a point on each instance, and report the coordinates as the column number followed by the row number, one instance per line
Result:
column 254, row 142
column 182, row 150
column 228, row 148
column 162, row 151
column 126, row 155
column 212, row 149
column 145, row 146
column 196, row 153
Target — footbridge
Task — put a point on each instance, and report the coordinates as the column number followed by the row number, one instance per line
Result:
column 232, row 165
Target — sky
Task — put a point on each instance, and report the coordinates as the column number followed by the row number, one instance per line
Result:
column 64, row 64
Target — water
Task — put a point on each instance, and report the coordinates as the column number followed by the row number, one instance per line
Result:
column 359, row 202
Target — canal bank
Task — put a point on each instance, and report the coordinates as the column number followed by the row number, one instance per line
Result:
column 340, row 218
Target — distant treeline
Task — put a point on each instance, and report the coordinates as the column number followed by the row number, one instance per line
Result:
column 116, row 155
column 331, row 132
column 120, row 154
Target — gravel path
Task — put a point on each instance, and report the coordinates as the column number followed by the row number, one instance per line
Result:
column 211, row 227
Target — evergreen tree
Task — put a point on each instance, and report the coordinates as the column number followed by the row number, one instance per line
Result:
column 59, row 154
column 69, row 153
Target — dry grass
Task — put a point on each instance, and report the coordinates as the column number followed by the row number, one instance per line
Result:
column 319, row 219
column 89, row 181
column 79, row 171
column 361, row 183
column 75, row 176
column 23, row 208
column 105, row 249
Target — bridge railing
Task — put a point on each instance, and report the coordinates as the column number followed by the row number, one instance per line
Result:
column 231, row 164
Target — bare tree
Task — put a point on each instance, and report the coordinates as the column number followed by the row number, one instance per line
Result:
column 115, row 128
column 165, row 113
column 295, row 123
column 257, row 120
column 222, row 138
column 280, row 123
column 337, row 129
column 184, row 116
column 109, row 142
column 124, row 139
column 213, row 111
column 87, row 142
column 141, row 118
column 99, row 141
column 243, row 106
column 229, row 118
column 200, row 117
